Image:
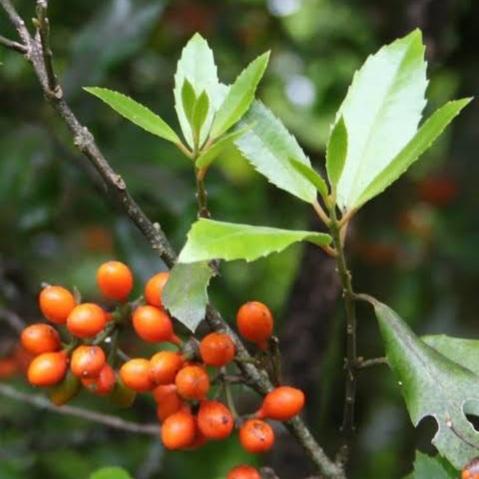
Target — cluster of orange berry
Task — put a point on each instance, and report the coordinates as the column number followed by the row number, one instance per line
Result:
column 178, row 379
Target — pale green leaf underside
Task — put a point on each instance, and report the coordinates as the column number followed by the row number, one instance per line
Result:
column 269, row 147
column 197, row 64
column 185, row 294
column 312, row 176
column 208, row 156
column 427, row 467
column 432, row 385
column 423, row 139
column 208, row 239
column 382, row 110
column 135, row 112
column 240, row 96
column 336, row 151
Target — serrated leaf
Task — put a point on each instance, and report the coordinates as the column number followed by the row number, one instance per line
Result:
column 135, row 112
column 382, row 110
column 208, row 239
column 311, row 175
column 269, row 147
column 240, row 96
column 186, row 292
column 423, row 139
column 200, row 112
column 110, row 473
column 432, row 385
column 188, row 99
column 208, row 156
column 198, row 65
column 336, row 151
column 427, row 467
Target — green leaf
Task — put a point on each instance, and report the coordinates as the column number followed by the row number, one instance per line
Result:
column 208, row 156
column 336, row 151
column 311, row 175
column 382, row 110
column 208, row 239
column 110, row 473
column 200, row 112
column 427, row 467
column 240, row 96
column 185, row 294
column 137, row 113
column 197, row 64
column 432, row 385
column 188, row 99
column 269, row 147
column 462, row 351
column 423, row 139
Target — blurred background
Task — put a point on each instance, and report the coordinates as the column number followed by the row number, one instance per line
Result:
column 416, row 246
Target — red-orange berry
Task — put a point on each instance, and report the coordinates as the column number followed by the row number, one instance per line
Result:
column 104, row 383
column 86, row 320
column 47, row 369
column 164, row 367
column 256, row 436
column 40, row 338
column 152, row 324
column 56, row 303
column 154, row 289
column 471, row 470
column 215, row 420
column 179, row 430
column 167, row 401
column 115, row 280
column 135, row 375
column 87, row 361
column 217, row 349
column 192, row 382
column 243, row 472
column 282, row 403
column 255, row 322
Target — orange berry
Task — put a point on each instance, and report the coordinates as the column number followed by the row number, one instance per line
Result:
column 217, row 349
column 56, row 303
column 40, row 338
column 215, row 420
column 104, row 383
column 154, row 289
column 192, row 382
column 135, row 375
column 282, row 403
column 243, row 472
column 471, row 470
column 8, row 367
column 167, row 400
column 115, row 280
column 87, row 361
column 256, row 436
column 47, row 369
column 86, row 320
column 255, row 322
column 179, row 430
column 164, row 366
column 153, row 325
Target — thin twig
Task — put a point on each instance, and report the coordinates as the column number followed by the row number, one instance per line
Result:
column 116, row 188
column 368, row 363
column 12, row 45
column 105, row 419
column 12, row 318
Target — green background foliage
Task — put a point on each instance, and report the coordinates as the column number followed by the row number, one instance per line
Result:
column 415, row 247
